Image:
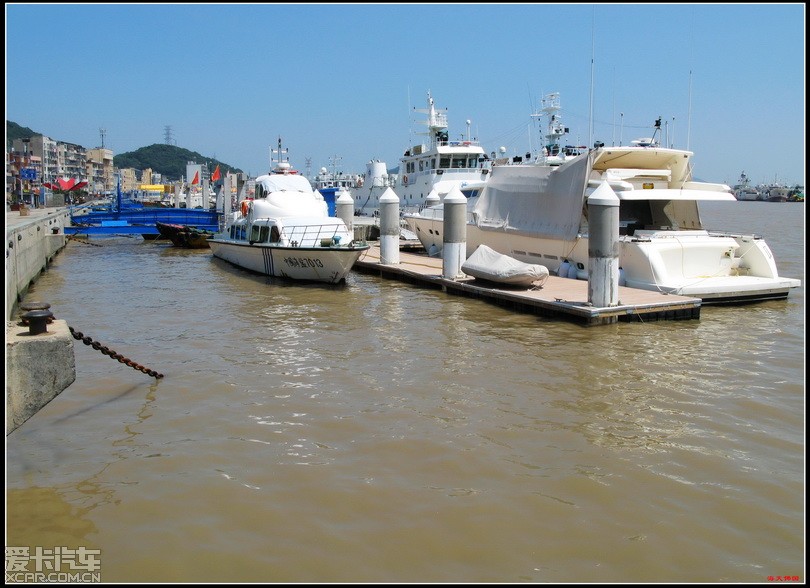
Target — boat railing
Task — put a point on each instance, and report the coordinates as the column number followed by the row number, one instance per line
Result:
column 312, row 235
column 458, row 170
column 735, row 235
column 472, row 143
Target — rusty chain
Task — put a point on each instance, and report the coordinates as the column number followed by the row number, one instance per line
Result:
column 79, row 336
column 46, row 316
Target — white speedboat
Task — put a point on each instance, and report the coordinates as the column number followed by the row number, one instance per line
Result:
column 538, row 213
column 286, row 231
column 436, row 166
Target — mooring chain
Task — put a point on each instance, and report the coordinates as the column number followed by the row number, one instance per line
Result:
column 37, row 317
column 79, row 336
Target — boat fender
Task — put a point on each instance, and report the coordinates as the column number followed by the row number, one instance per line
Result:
column 562, row 271
column 244, row 207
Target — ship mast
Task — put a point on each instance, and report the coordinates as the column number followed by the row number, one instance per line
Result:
column 436, row 123
column 555, row 129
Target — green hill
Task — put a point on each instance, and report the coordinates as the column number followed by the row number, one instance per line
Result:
column 15, row 131
column 168, row 160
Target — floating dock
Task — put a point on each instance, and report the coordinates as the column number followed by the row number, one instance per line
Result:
column 558, row 298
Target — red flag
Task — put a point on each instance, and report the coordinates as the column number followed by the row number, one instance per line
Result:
column 216, row 175
column 196, row 179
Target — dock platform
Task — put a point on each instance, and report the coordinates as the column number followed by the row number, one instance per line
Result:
column 559, row 298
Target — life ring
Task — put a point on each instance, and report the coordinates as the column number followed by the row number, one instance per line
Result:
column 405, row 180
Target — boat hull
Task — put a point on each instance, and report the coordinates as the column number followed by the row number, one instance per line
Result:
column 315, row 264
column 184, row 236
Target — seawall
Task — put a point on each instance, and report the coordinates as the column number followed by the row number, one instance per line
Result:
column 32, row 240
column 39, row 365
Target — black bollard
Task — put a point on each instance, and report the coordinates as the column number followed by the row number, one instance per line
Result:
column 37, row 321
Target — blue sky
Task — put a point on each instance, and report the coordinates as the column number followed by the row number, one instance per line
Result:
column 342, row 80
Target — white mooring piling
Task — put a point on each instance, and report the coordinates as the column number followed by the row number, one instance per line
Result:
column 603, row 247
column 454, row 240
column 389, row 228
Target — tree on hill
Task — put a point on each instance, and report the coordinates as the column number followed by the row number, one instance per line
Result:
column 168, row 160
column 15, row 131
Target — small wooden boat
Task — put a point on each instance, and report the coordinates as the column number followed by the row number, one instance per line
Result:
column 184, row 235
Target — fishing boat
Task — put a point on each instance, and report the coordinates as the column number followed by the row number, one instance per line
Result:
column 285, row 231
column 775, row 192
column 434, row 166
column 796, row 194
column 186, row 236
column 538, row 213
column 743, row 190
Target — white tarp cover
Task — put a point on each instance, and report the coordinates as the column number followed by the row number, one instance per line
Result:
column 282, row 182
column 488, row 264
column 543, row 200
column 288, row 195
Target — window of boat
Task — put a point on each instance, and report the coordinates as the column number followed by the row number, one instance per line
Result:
column 275, row 237
column 421, row 165
column 264, row 233
column 254, row 233
column 634, row 215
column 433, row 163
column 444, row 162
column 459, row 162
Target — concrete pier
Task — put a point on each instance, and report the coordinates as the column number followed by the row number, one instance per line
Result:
column 38, row 368
column 32, row 240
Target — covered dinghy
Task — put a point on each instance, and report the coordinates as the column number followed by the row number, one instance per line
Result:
column 487, row 264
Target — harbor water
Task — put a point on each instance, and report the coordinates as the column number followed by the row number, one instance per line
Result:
column 378, row 432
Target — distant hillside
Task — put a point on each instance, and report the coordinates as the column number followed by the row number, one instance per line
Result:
column 15, row 131
column 168, row 160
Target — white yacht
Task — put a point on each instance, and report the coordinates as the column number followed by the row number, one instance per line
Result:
column 538, row 213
